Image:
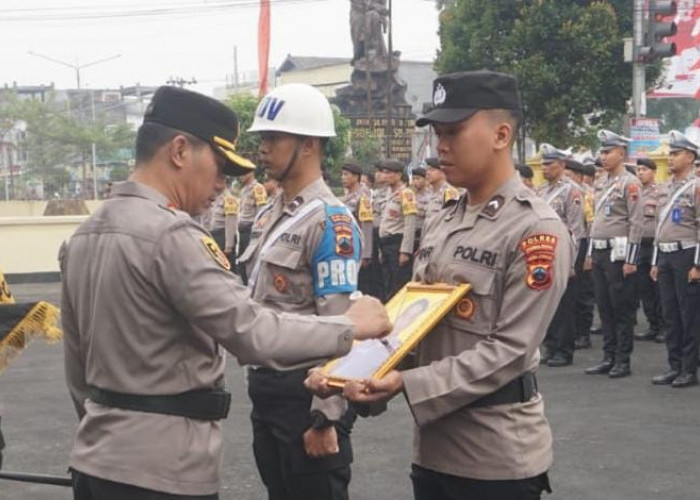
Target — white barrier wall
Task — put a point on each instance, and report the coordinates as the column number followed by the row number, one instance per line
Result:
column 21, row 208
column 30, row 244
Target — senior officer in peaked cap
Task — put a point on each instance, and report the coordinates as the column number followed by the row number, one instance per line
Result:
column 677, row 262
column 149, row 305
column 480, row 425
column 613, row 254
column 566, row 199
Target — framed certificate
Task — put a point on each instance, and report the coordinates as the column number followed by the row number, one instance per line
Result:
column 414, row 312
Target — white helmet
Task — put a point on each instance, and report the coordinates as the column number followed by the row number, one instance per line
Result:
column 295, row 108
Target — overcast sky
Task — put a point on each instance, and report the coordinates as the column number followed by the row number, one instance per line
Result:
column 182, row 38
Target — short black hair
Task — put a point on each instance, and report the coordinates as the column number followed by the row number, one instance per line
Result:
column 152, row 136
column 525, row 171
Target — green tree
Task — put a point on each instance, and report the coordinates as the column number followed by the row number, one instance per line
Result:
column 567, row 57
column 366, row 148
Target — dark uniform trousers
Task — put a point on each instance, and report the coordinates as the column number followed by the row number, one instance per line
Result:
column 561, row 333
column 585, row 298
column 244, row 231
column 648, row 289
column 280, row 417
column 431, row 485
column 87, row 487
column 616, row 298
column 371, row 277
column 396, row 276
column 680, row 302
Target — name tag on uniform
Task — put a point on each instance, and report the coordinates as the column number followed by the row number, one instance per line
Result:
column 607, row 209
column 676, row 214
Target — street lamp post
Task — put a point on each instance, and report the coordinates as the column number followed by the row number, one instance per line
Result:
column 77, row 68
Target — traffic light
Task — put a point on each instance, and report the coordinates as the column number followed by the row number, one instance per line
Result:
column 655, row 47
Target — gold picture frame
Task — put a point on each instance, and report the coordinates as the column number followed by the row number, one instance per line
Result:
column 414, row 311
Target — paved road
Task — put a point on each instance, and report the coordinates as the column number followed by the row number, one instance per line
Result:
column 614, row 440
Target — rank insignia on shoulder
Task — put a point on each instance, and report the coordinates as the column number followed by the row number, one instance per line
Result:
column 216, row 252
column 259, row 194
column 539, row 253
column 493, row 206
column 231, row 205
column 465, row 308
column 364, row 209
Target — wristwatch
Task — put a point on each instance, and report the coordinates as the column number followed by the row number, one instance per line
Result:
column 319, row 420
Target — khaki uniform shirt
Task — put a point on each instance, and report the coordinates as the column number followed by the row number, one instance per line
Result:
column 682, row 221
column 588, row 207
column 359, row 202
column 620, row 213
column 224, row 215
column 650, row 202
column 439, row 197
column 379, row 198
column 148, row 306
column 311, row 267
column 566, row 199
column 399, row 217
column 516, row 253
column 253, row 198
column 423, row 198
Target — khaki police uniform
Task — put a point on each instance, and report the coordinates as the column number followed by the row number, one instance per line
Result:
column 224, row 221
column 253, row 199
column 397, row 235
column 441, row 197
column 648, row 288
column 585, row 302
column 359, row 202
column 148, row 307
column 677, row 251
column 516, row 254
column 565, row 198
column 376, row 269
column 616, row 234
column 423, row 198
column 303, row 257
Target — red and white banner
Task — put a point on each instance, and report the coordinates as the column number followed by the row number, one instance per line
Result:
column 682, row 75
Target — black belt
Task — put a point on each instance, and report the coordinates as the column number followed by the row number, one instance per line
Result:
column 520, row 390
column 211, row 404
column 388, row 240
column 245, row 226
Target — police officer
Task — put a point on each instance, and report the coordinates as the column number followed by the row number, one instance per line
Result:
column 526, row 175
column 580, row 172
column 566, row 199
column 677, row 263
column 377, row 272
column 223, row 222
column 148, row 304
column 423, row 194
column 253, row 199
column 397, row 228
column 613, row 253
column 358, row 199
column 304, row 256
column 648, row 289
column 443, row 194
column 473, row 391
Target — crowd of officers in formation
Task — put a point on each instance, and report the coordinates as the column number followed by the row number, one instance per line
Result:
column 637, row 242
column 390, row 211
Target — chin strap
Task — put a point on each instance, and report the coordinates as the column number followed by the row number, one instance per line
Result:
column 292, row 160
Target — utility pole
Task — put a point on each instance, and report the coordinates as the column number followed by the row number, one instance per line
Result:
column 390, row 85
column 235, row 67
column 638, row 72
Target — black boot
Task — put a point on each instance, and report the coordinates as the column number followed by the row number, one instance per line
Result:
column 596, row 331
column 583, row 342
column 648, row 335
column 660, row 337
column 665, row 378
column 620, row 370
column 601, row 368
column 685, row 380
column 560, row 359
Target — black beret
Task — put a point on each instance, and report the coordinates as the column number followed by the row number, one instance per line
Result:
column 391, row 165
column 589, row 170
column 433, row 162
column 458, row 96
column 630, row 169
column 352, row 166
column 574, row 166
column 525, row 171
column 203, row 117
column 646, row 162
column 419, row 171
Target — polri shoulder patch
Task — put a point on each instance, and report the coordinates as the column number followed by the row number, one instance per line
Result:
column 215, row 252
column 539, row 250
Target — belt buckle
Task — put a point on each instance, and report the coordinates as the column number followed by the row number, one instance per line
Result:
column 668, row 247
